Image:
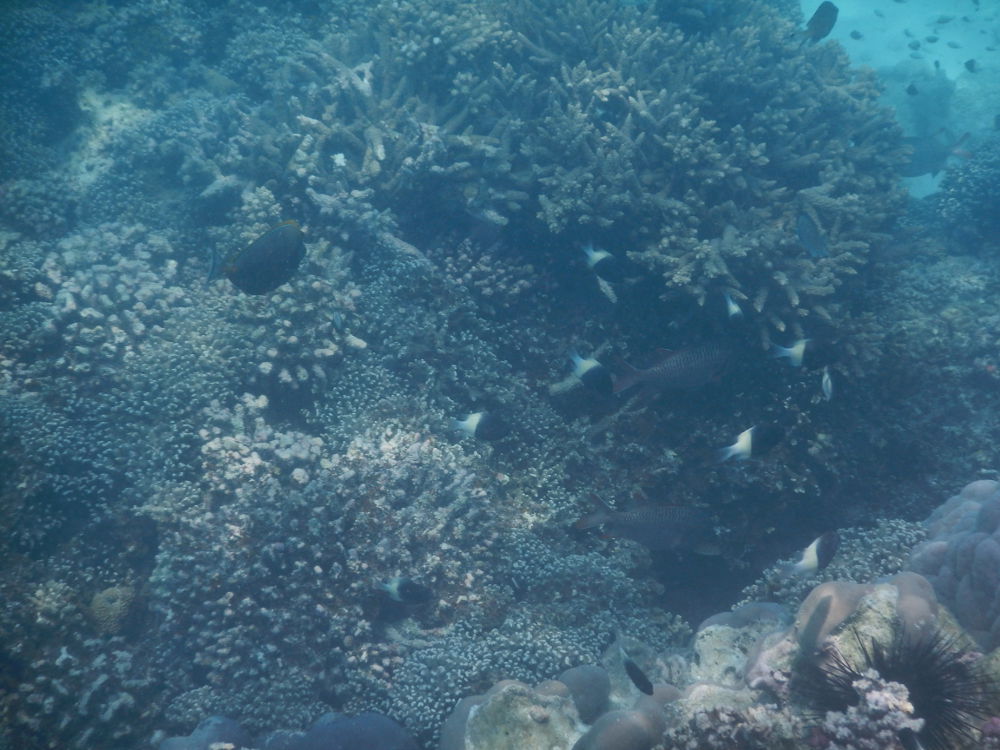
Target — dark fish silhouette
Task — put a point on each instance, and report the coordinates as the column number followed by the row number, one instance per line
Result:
column 810, row 237
column 822, row 21
column 930, row 154
column 657, row 527
column 269, row 261
column 638, row 677
column 684, row 369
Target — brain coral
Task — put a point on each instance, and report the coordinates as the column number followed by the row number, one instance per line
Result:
column 961, row 558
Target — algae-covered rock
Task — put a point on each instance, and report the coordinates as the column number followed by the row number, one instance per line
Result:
column 514, row 717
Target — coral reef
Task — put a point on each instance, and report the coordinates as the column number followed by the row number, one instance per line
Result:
column 754, row 682
column 865, row 555
column 201, row 491
column 961, row 558
column 967, row 201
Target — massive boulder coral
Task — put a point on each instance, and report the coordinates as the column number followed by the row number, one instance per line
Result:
column 961, row 558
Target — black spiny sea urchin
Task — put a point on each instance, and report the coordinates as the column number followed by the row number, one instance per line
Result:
column 946, row 685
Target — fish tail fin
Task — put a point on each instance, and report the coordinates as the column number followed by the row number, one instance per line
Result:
column 724, row 454
column 628, row 377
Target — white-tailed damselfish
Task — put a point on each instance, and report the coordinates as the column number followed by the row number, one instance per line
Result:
column 809, row 353
column 406, row 591
column 604, row 264
column 815, row 557
column 592, row 374
column 753, row 443
column 483, row 425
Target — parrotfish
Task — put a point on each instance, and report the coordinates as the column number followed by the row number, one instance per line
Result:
column 657, row 527
column 269, row 261
column 684, row 369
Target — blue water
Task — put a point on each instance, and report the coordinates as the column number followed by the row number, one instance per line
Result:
column 204, row 492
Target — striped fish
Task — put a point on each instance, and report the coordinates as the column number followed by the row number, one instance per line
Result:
column 684, row 369
column 655, row 526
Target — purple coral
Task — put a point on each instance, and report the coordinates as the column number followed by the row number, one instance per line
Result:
column 875, row 723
